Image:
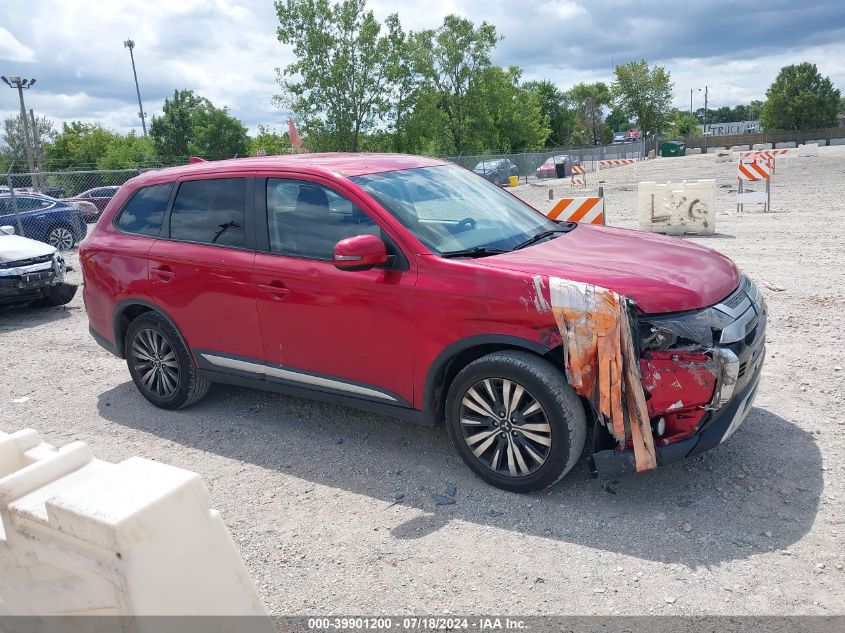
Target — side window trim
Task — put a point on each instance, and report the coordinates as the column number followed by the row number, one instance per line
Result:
column 117, row 216
column 262, row 220
column 249, row 212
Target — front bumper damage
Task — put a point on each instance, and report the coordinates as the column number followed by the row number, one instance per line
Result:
column 30, row 280
column 661, row 387
column 731, row 336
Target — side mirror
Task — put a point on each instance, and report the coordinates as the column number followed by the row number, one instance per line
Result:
column 8, row 230
column 361, row 252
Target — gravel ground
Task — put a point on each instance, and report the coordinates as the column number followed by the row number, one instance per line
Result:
column 334, row 510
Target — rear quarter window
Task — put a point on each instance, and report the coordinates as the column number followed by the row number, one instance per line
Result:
column 145, row 210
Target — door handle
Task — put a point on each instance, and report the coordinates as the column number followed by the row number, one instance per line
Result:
column 163, row 274
column 276, row 288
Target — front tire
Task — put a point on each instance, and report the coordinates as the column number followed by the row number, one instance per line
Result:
column 514, row 421
column 160, row 365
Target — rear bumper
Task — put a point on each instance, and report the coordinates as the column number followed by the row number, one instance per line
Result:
column 715, row 430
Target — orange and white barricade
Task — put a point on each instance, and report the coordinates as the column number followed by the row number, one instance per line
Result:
column 581, row 180
column 754, row 172
column 589, row 209
column 614, row 162
column 765, row 156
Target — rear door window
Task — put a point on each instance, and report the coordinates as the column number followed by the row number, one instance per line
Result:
column 210, row 212
column 144, row 211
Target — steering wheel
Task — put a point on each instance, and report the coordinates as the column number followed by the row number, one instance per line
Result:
column 465, row 225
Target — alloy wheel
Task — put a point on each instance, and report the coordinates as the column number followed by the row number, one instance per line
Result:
column 60, row 237
column 505, row 427
column 155, row 363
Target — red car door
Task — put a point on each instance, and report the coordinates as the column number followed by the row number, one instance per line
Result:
column 346, row 332
column 201, row 269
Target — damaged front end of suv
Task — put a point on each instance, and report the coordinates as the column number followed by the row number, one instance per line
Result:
column 699, row 372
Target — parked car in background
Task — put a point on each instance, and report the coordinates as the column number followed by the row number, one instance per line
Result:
column 98, row 197
column 31, row 272
column 619, row 138
column 559, row 166
column 497, row 170
column 411, row 287
column 44, row 219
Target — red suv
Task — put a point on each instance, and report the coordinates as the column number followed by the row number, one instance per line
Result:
column 414, row 288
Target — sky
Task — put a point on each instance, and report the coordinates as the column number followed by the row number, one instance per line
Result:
column 227, row 51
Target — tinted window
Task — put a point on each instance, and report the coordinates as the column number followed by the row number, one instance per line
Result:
column 210, row 212
column 31, row 204
column 307, row 220
column 145, row 210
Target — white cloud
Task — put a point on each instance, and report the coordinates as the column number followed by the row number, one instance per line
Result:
column 227, row 50
column 12, row 50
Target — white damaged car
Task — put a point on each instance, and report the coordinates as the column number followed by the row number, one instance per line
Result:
column 31, row 272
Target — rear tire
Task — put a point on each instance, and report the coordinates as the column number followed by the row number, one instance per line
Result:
column 160, row 365
column 514, row 421
column 61, row 237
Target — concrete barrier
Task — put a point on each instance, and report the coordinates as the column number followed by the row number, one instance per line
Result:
column 677, row 208
column 81, row 536
column 837, row 141
column 762, row 146
column 785, row 145
column 739, row 148
column 810, row 149
column 821, row 142
column 693, row 150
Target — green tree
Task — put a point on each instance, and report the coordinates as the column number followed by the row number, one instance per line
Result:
column 13, row 146
column 79, row 146
column 645, row 95
column 618, row 121
column 451, row 59
column 799, row 99
column 505, row 117
column 554, row 105
column 590, row 101
column 270, row 142
column 684, row 124
column 128, row 151
column 340, row 82
column 192, row 125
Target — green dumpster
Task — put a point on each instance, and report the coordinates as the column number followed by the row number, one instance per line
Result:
column 673, row 148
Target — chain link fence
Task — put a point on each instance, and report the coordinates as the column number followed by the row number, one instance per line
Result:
column 56, row 207
column 526, row 165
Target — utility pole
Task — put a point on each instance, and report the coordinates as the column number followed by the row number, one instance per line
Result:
column 130, row 44
column 36, row 149
column 691, row 90
column 705, row 119
column 21, row 85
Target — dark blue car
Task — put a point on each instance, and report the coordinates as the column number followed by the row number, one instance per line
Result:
column 43, row 218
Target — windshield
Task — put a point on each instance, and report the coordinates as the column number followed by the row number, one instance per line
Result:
column 451, row 209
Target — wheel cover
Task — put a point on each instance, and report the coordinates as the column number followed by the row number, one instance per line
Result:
column 155, row 363
column 505, row 427
column 60, row 238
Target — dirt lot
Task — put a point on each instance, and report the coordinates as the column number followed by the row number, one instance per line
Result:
column 753, row 527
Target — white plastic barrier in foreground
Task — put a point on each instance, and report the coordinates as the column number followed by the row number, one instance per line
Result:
column 677, row 208
column 80, row 536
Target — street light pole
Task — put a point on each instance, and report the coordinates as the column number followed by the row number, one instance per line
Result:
column 21, row 85
column 691, row 90
column 130, row 44
column 705, row 119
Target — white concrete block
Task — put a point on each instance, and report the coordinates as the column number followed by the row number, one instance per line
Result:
column 739, row 148
column 677, row 208
column 693, row 150
column 837, row 141
column 785, row 145
column 810, row 149
column 761, row 146
column 821, row 142
column 84, row 536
